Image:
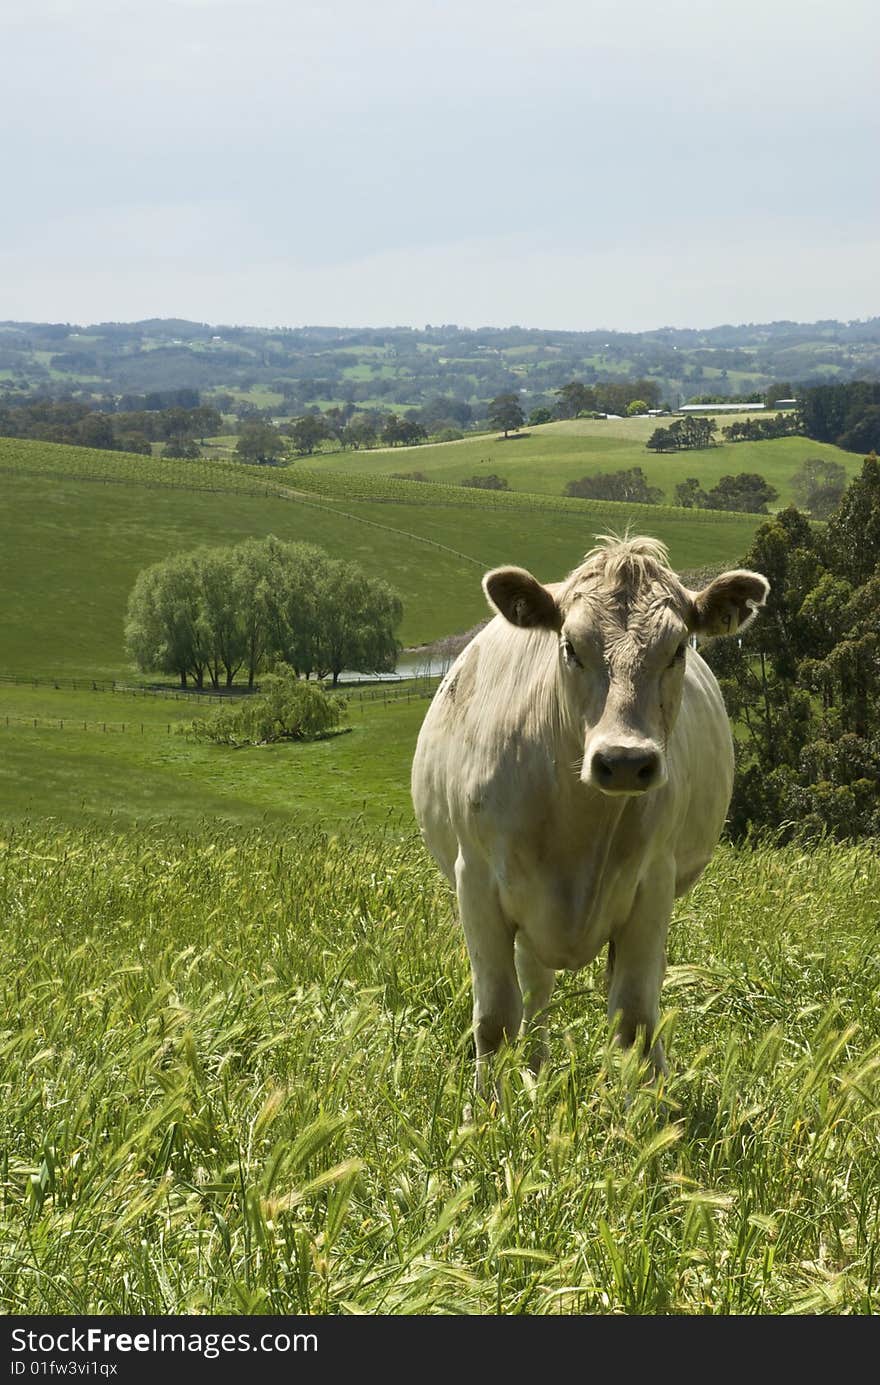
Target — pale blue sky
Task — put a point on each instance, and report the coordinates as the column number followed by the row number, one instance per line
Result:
column 573, row 164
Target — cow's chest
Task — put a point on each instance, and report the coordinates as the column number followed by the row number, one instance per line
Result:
column 569, row 905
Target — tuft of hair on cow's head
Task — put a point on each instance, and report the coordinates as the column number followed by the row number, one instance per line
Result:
column 728, row 604
column 521, row 599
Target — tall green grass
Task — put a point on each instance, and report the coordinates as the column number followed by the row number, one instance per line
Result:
column 234, row 1068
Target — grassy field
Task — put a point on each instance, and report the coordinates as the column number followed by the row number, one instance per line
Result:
column 78, row 525
column 92, row 757
column 555, row 453
column 234, row 1054
column 235, row 1067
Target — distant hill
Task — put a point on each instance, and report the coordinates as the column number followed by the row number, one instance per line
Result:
column 289, row 370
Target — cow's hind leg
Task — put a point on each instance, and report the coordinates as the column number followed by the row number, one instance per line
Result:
column 489, row 938
column 536, row 983
column 636, row 966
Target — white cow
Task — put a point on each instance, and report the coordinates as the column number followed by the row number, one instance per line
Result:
column 572, row 777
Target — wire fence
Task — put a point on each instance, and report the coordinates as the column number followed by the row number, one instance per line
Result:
column 393, row 696
column 367, row 688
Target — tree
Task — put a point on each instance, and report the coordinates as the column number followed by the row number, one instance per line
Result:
column 631, row 485
column 258, row 576
column 359, row 616
column 186, row 448
column 636, row 406
column 505, row 411
column 309, row 432
column 864, row 434
column 487, row 483
column 360, row 432
column 575, row 398
column 852, row 539
column 204, row 420
column 405, row 431
column 690, row 494
column 285, row 710
column 747, row 492
column 818, row 486
column 539, row 416
column 662, row 440
column 220, row 614
column 164, row 631
column 259, row 443
column 803, row 686
column 96, row 430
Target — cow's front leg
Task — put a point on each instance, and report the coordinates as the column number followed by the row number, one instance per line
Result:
column 636, row 966
column 497, row 998
column 536, row 983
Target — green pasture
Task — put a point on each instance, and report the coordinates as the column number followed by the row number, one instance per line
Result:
column 94, row 757
column 234, row 1054
column 77, row 526
column 236, row 1063
column 544, row 459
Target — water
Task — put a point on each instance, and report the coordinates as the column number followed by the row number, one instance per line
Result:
column 415, row 666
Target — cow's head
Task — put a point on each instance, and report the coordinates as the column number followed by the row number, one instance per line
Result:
column 623, row 621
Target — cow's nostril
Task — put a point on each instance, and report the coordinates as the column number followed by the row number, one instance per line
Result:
column 602, row 767
column 647, row 771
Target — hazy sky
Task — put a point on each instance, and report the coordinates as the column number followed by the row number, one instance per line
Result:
column 567, row 164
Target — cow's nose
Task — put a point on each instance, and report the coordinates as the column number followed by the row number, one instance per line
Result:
column 625, row 769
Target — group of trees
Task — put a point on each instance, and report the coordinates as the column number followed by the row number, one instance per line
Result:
column 86, row 425
column 818, row 486
column 631, row 485
column 803, row 683
column 848, row 414
column 612, row 397
column 216, row 613
column 756, row 429
column 747, row 493
column 689, row 433
column 490, row 482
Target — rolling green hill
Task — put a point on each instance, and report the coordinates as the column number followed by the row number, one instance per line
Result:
column 543, row 459
column 77, row 525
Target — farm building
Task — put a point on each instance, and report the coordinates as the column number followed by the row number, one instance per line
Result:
column 719, row 408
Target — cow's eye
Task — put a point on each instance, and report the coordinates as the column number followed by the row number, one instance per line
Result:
column 569, row 655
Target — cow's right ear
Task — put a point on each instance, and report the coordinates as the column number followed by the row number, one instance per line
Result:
column 521, row 599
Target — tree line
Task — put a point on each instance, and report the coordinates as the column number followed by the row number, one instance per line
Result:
column 803, row 684
column 216, row 613
column 747, row 492
column 756, row 429
column 612, row 397
column 847, row 415
column 86, row 425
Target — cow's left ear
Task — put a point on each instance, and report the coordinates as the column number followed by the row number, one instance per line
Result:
column 521, row 599
column 728, row 604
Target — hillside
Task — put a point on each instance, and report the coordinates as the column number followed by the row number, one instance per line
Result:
column 541, row 460
column 77, row 526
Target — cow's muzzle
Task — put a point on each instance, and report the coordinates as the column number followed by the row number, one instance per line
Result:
column 624, row 769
